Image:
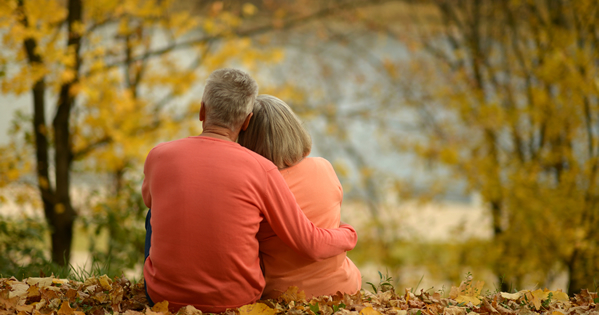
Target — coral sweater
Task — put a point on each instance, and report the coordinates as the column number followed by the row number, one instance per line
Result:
column 208, row 198
column 319, row 194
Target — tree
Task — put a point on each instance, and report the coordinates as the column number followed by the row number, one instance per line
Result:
column 507, row 101
column 112, row 68
column 118, row 76
column 496, row 96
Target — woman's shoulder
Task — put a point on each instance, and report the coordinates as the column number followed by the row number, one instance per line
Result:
column 319, row 162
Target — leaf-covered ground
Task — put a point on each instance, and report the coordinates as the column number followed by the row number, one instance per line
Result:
column 102, row 295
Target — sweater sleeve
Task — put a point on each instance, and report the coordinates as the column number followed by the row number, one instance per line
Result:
column 293, row 227
column 145, row 186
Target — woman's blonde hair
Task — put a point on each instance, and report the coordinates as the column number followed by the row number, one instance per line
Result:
column 276, row 133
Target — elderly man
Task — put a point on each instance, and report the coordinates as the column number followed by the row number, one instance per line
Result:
column 208, row 195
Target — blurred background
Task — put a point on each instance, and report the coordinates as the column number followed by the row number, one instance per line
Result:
column 465, row 133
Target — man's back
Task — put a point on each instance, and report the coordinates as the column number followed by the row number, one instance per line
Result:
column 205, row 196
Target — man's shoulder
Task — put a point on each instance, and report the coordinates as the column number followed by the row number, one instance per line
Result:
column 167, row 144
column 261, row 162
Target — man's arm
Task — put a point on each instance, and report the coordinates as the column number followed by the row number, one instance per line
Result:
column 293, row 227
column 145, row 187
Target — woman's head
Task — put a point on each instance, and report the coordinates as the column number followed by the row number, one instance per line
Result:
column 276, row 133
column 229, row 97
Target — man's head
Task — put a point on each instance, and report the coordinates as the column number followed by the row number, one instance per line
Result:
column 229, row 98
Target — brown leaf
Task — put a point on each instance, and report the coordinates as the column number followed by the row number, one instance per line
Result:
column 65, row 309
column 189, row 310
column 292, row 294
column 454, row 311
column 25, row 308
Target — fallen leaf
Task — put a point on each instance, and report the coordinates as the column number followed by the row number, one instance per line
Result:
column 189, row 310
column 18, row 289
column 150, row 312
column 468, row 299
column 25, row 308
column 560, row 296
column 512, row 296
column 41, row 282
column 292, row 294
column 65, row 309
column 454, row 311
column 105, row 282
column 256, row 309
column 369, row 311
column 33, row 291
column 161, row 307
column 60, row 281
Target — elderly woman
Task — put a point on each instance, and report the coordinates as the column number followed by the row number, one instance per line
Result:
column 276, row 133
column 209, row 197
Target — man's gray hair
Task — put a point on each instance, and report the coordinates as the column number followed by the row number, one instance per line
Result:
column 229, row 97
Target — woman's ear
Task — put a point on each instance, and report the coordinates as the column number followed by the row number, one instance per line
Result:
column 246, row 122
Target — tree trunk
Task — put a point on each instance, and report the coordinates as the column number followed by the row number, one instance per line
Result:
column 578, row 270
column 64, row 214
column 40, row 131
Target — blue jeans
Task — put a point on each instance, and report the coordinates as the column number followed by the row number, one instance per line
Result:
column 147, row 250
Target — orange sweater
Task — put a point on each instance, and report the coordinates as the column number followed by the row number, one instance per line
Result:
column 319, row 194
column 208, row 198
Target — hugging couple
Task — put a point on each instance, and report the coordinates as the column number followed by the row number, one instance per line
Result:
column 241, row 212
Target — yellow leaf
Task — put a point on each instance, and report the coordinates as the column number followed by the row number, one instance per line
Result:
column 249, row 9
column 161, row 307
column 369, row 311
column 105, row 282
column 256, row 309
column 512, row 296
column 454, row 292
column 560, row 296
column 535, row 297
column 467, row 299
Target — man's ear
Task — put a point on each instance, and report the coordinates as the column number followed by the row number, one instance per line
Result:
column 246, row 122
column 203, row 112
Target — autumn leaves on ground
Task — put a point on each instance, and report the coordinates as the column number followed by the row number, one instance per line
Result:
column 102, row 295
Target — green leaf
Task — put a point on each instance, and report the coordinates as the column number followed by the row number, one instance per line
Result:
column 314, row 308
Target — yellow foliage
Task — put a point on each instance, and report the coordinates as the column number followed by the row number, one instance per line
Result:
column 369, row 311
column 256, row 309
column 127, row 96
